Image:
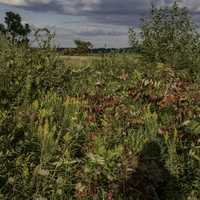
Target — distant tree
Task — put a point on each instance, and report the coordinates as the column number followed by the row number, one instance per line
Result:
column 14, row 29
column 169, row 36
column 83, row 46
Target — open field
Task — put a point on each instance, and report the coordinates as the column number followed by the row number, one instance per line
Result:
column 78, row 61
column 112, row 126
column 116, row 127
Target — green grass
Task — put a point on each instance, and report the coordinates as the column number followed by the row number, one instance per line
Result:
column 109, row 127
column 79, row 61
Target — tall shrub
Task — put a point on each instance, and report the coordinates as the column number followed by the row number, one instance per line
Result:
column 170, row 36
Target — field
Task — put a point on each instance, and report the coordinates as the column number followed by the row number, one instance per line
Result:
column 106, row 127
column 79, row 61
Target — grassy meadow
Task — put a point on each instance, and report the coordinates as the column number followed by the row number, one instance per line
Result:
column 80, row 62
column 116, row 126
column 112, row 127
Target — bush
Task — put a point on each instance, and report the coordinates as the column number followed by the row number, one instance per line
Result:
column 170, row 36
column 25, row 73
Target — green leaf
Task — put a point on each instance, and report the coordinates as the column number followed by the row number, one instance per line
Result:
column 192, row 127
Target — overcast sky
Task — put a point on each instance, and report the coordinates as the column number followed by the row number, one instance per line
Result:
column 103, row 22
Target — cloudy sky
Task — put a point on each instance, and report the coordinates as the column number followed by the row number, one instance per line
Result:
column 103, row 22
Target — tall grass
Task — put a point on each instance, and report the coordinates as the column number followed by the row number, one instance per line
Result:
column 116, row 129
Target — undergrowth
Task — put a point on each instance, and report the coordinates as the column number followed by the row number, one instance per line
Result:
column 119, row 129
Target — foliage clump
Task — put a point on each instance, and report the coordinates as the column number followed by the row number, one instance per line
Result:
column 25, row 73
column 13, row 28
column 168, row 35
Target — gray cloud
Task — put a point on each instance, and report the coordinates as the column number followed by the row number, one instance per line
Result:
column 115, row 13
column 125, row 12
column 102, row 33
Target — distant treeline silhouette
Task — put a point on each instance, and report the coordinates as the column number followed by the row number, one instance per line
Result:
column 100, row 50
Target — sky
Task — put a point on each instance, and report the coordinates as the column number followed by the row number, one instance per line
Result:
column 103, row 22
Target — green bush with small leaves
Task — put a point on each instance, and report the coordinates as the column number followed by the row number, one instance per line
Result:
column 169, row 35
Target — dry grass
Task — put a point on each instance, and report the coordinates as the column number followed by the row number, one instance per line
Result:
column 79, row 61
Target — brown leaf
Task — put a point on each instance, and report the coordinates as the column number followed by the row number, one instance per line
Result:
column 168, row 100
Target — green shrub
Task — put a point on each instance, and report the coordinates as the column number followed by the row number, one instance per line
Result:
column 25, row 73
column 170, row 36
